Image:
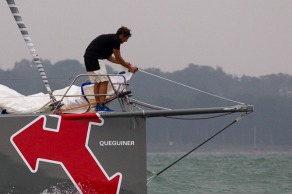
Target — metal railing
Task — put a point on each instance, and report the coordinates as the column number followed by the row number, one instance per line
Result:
column 116, row 91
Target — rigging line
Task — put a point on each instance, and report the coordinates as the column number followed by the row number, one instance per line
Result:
column 199, row 118
column 217, row 133
column 144, row 104
column 27, row 39
column 172, row 117
column 214, row 95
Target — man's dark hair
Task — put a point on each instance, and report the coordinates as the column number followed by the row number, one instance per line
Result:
column 124, row 30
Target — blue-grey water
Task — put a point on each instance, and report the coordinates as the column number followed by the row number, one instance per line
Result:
column 216, row 173
column 221, row 173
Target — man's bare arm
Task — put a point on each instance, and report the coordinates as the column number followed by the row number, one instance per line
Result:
column 119, row 60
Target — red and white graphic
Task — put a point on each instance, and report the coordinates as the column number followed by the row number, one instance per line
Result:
column 68, row 146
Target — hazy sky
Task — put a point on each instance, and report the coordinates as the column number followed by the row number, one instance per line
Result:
column 250, row 37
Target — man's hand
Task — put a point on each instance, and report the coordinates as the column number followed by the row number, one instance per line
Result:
column 132, row 68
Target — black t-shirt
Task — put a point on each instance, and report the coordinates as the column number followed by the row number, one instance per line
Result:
column 102, row 46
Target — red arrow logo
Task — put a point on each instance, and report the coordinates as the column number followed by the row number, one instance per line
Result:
column 68, row 146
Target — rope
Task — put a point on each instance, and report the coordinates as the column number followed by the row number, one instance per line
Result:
column 89, row 104
column 160, row 172
column 144, row 104
column 154, row 107
column 199, row 118
column 190, row 87
column 27, row 39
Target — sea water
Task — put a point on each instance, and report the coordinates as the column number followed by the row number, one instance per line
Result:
column 221, row 173
column 214, row 173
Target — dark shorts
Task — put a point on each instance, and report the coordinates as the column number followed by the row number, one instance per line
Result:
column 91, row 64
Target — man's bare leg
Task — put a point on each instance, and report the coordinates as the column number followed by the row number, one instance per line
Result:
column 102, row 90
column 96, row 92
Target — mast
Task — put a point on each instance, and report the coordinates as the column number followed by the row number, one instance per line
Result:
column 24, row 32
